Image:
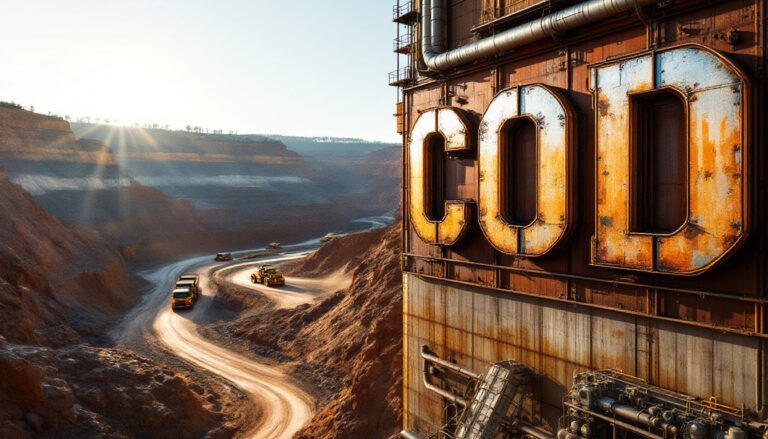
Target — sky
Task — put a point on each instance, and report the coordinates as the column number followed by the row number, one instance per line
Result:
column 292, row 67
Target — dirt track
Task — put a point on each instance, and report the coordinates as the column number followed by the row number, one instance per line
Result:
column 283, row 405
column 297, row 290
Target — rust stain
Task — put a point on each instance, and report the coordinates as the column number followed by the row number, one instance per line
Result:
column 614, row 245
column 715, row 186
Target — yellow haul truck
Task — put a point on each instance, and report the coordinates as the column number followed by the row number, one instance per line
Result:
column 268, row 275
column 185, row 292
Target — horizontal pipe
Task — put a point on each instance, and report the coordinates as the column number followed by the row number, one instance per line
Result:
column 616, row 422
column 632, row 414
column 444, row 393
column 533, row 431
column 559, row 22
column 447, row 364
column 410, row 434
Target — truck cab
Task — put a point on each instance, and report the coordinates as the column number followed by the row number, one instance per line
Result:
column 182, row 298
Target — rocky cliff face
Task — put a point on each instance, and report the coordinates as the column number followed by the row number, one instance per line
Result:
column 33, row 137
column 361, row 338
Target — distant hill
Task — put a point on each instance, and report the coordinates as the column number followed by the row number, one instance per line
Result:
column 248, row 172
column 141, row 142
column 164, row 193
column 79, row 180
column 135, row 148
column 322, row 147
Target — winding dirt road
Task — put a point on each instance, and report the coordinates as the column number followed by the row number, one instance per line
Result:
column 285, row 407
column 297, row 290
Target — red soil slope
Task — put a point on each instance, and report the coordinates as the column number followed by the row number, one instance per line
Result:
column 342, row 252
column 47, row 271
column 55, row 286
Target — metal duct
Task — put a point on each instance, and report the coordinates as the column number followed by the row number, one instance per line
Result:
column 439, row 27
column 434, row 24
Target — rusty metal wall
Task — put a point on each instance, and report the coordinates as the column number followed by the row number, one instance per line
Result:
column 475, row 327
column 562, row 313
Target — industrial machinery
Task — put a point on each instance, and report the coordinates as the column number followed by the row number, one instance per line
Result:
column 607, row 404
column 584, row 198
column 268, row 275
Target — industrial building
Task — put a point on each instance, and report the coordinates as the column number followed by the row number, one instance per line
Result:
column 584, row 218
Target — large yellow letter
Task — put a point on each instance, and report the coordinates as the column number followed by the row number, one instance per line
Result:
column 714, row 93
column 449, row 229
column 554, row 200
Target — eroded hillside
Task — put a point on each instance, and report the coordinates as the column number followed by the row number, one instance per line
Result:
column 58, row 289
column 350, row 340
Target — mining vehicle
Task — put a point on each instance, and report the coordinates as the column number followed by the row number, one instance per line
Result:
column 328, row 237
column 268, row 275
column 584, row 225
column 182, row 298
column 274, row 245
column 221, row 257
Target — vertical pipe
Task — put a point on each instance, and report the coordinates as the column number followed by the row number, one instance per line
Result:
column 438, row 18
column 426, row 27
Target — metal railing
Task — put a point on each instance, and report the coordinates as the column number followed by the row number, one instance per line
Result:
column 508, row 8
column 402, row 42
column 400, row 76
column 400, row 9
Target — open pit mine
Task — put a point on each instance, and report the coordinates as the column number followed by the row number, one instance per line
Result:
column 584, row 221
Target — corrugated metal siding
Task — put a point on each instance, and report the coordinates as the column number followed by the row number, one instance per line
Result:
column 557, row 341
